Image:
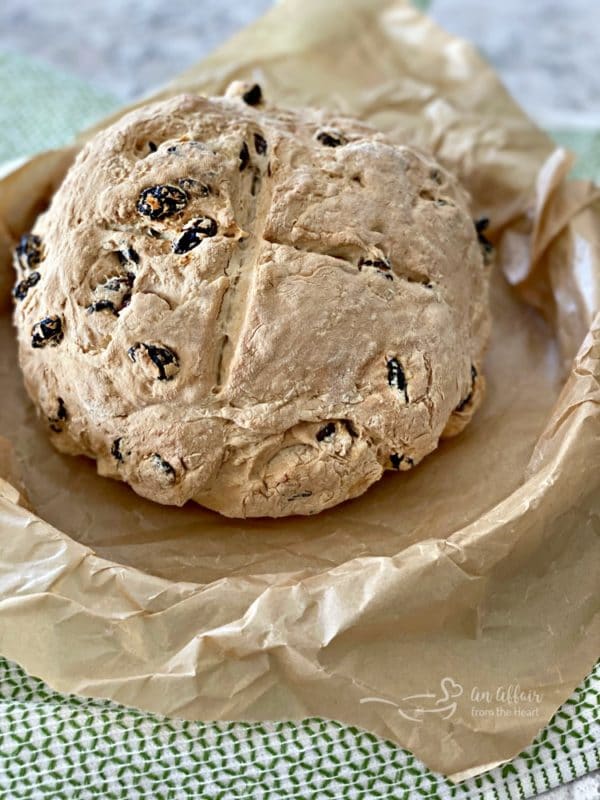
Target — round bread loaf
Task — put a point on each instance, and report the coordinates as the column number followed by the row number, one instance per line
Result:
column 257, row 309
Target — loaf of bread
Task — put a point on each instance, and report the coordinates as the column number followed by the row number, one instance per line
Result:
column 257, row 309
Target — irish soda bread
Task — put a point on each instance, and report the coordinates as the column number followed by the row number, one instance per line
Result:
column 257, row 309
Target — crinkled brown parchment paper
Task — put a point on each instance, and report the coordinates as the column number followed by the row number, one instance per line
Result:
column 481, row 566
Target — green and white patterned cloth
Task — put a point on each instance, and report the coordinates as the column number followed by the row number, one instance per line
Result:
column 41, row 108
column 66, row 747
column 56, row 746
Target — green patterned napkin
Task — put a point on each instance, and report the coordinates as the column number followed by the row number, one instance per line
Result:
column 41, row 108
column 56, row 746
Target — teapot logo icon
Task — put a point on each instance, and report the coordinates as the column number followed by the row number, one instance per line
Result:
column 415, row 707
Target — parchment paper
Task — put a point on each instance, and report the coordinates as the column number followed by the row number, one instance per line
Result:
column 451, row 609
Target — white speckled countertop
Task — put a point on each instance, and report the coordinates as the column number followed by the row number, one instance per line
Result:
column 547, row 51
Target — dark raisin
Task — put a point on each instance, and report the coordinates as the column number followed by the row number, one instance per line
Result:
column 158, row 202
column 193, row 233
column 482, row 225
column 62, row 415
column 47, row 331
column 244, row 157
column 436, row 176
column 350, row 428
column 154, row 233
column 396, row 460
column 164, row 359
column 382, row 265
column 378, row 263
column 152, row 147
column 163, row 465
column 330, row 138
column 253, row 96
column 305, row 493
column 119, row 289
column 115, row 449
column 464, row 403
column 194, row 187
column 260, row 144
column 326, row 432
column 396, row 376
column 172, row 148
column 21, row 289
column 128, row 254
column 28, row 252
column 102, row 305
column 117, row 283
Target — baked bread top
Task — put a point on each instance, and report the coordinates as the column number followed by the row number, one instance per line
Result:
column 255, row 308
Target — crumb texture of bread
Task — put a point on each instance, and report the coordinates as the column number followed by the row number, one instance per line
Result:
column 257, row 309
